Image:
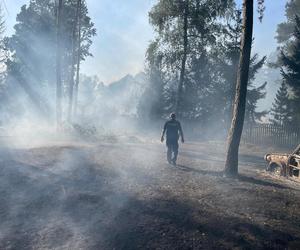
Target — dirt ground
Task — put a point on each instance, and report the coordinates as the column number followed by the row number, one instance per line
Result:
column 124, row 196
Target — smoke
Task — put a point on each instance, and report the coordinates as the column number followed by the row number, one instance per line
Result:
column 68, row 194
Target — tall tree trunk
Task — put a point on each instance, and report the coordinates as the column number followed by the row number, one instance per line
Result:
column 235, row 133
column 78, row 61
column 235, row 66
column 58, row 65
column 72, row 73
column 184, row 58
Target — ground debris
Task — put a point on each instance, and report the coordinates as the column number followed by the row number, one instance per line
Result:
column 124, row 196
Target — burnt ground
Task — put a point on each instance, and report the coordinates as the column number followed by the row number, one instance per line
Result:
column 124, row 196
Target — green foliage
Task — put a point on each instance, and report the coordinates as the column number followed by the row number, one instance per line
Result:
column 204, row 25
column 261, row 9
column 226, row 54
column 33, row 46
column 3, row 56
column 34, row 37
column 285, row 30
column 3, row 49
column 212, row 63
column 255, row 94
column 282, row 110
column 290, row 69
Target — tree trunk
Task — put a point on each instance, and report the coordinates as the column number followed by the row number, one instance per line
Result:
column 78, row 61
column 71, row 85
column 184, row 58
column 235, row 133
column 235, row 66
column 58, row 65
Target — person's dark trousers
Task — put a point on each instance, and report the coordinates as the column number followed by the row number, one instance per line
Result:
column 172, row 152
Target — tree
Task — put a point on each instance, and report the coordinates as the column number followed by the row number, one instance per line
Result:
column 76, row 31
column 3, row 52
column 3, row 58
column 184, row 56
column 281, row 109
column 151, row 103
column 35, row 35
column 58, row 64
column 78, row 59
column 290, row 70
column 285, row 30
column 187, row 30
column 235, row 133
column 255, row 94
column 227, row 59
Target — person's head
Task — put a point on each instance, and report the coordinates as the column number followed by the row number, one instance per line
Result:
column 173, row 116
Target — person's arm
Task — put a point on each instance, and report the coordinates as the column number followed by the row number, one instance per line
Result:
column 181, row 133
column 163, row 133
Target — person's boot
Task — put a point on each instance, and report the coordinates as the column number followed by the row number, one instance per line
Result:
column 174, row 159
column 169, row 155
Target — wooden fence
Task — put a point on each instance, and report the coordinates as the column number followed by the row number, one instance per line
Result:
column 268, row 134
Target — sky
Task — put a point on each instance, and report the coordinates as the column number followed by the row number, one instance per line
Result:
column 123, row 34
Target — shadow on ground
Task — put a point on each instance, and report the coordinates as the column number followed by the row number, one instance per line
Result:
column 171, row 224
column 78, row 204
column 240, row 177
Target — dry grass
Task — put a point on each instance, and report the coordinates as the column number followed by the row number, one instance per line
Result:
column 118, row 195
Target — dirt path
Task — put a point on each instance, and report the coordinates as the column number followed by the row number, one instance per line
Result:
column 124, row 196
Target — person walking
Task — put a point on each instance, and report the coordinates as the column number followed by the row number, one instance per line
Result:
column 173, row 130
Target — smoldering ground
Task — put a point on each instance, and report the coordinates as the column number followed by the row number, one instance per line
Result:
column 121, row 195
column 112, row 188
column 101, row 181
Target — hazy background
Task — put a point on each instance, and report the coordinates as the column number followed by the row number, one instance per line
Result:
column 124, row 34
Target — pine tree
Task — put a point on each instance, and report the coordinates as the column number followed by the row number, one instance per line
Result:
column 255, row 94
column 228, row 57
column 235, row 133
column 281, row 110
column 290, row 70
column 285, row 30
column 31, row 67
column 3, row 58
column 184, row 41
column 75, row 36
column 59, row 64
column 3, row 53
